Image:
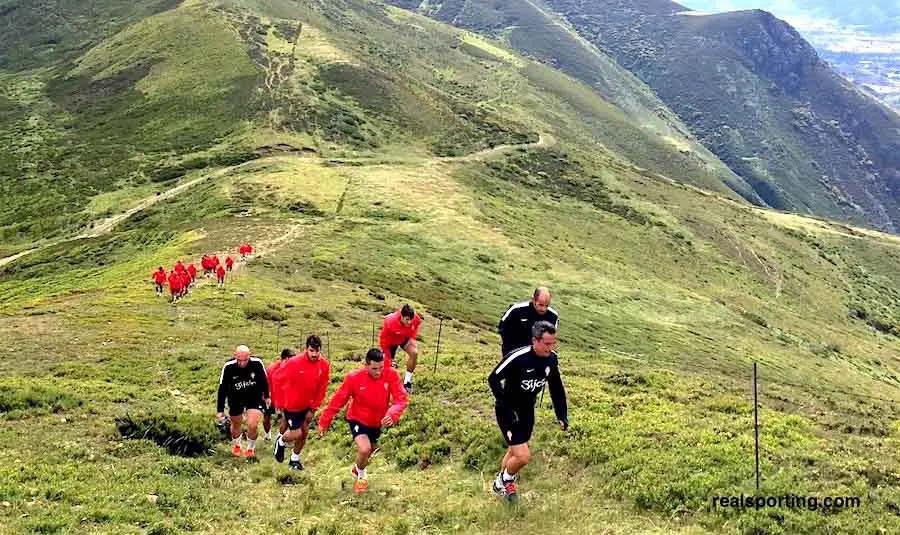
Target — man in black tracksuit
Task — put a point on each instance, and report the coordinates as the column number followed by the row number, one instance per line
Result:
column 515, row 325
column 244, row 384
column 515, row 383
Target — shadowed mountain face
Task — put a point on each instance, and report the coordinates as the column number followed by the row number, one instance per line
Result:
column 758, row 96
column 748, row 87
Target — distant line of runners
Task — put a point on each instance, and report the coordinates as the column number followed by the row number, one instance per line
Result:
column 181, row 279
column 296, row 386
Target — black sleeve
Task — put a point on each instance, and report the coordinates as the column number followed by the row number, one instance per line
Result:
column 223, row 392
column 558, row 393
column 502, row 324
column 264, row 381
column 496, row 378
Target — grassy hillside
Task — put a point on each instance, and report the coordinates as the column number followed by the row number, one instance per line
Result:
column 118, row 105
column 637, row 124
column 757, row 95
column 358, row 203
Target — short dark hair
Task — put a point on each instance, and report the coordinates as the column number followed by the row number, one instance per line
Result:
column 314, row 342
column 407, row 311
column 541, row 328
column 287, row 353
column 374, row 355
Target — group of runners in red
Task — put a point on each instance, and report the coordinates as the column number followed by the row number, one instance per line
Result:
column 181, row 278
column 296, row 387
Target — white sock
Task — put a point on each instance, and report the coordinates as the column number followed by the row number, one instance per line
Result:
column 507, row 477
column 295, row 456
column 281, row 442
column 361, row 473
column 268, row 435
column 408, row 378
column 251, row 443
column 236, row 441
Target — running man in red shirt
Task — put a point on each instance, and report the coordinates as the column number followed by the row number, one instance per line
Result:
column 275, row 395
column 174, row 285
column 399, row 330
column 303, row 383
column 185, row 282
column 192, row 271
column 179, row 267
column 229, row 263
column 206, row 265
column 243, row 250
column 159, row 278
column 220, row 276
column 377, row 399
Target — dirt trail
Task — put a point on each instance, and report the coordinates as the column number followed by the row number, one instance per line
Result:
column 544, row 140
column 104, row 226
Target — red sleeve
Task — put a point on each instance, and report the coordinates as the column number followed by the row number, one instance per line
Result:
column 416, row 324
column 384, row 341
column 383, row 336
column 323, row 386
column 338, row 400
column 398, row 396
column 270, row 375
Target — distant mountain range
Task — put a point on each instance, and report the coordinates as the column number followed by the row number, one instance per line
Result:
column 860, row 41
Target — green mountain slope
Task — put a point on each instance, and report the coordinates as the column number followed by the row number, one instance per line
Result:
column 119, row 110
column 754, row 92
column 374, row 157
column 536, row 32
column 746, row 85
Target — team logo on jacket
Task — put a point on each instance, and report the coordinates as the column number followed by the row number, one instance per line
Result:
column 547, row 370
column 253, row 375
column 533, row 385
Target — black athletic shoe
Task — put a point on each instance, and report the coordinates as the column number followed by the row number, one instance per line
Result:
column 408, row 387
column 295, row 465
column 279, row 450
column 498, row 490
column 507, row 490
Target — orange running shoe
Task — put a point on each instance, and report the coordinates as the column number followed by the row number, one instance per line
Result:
column 236, row 450
column 361, row 485
column 249, row 454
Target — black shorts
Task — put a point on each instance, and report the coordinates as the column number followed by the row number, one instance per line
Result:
column 237, row 408
column 357, row 429
column 394, row 351
column 516, row 425
column 295, row 419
